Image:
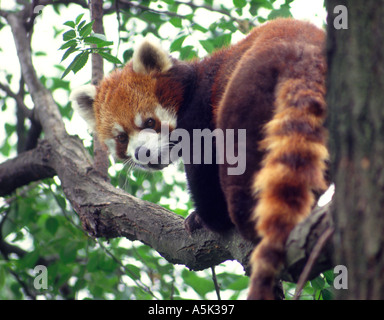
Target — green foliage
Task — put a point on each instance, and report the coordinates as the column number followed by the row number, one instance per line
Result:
column 320, row 288
column 38, row 223
column 81, row 40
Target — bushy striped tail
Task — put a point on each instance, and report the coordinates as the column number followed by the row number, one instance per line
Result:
column 293, row 168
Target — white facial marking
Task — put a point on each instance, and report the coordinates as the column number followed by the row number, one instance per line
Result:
column 117, row 129
column 139, row 120
column 111, row 144
column 165, row 116
column 147, row 138
column 132, row 144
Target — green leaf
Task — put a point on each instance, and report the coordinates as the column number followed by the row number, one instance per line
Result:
column 133, row 271
column 318, row 283
column 70, row 43
column 100, row 36
column 329, row 276
column 240, row 3
column 68, row 253
column 327, row 294
column 283, row 12
column 201, row 285
column 199, row 27
column 240, row 284
column 9, row 77
column 176, row 45
column 59, row 198
column 40, row 53
column 176, row 22
column 30, row 259
column 187, row 53
column 81, row 24
column 78, row 62
column 127, row 55
column 70, row 24
column 69, row 35
column 78, row 18
column 254, row 8
column 107, row 264
column 52, row 224
column 2, row 276
column 107, row 56
column 97, row 41
column 9, row 129
column 10, row 224
column 93, row 261
column 223, row 40
column 207, row 45
column 69, row 68
column 68, row 52
column 81, row 61
column 151, row 17
column 86, row 30
column 5, row 149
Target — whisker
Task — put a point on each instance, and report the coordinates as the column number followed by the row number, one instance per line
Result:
column 128, row 165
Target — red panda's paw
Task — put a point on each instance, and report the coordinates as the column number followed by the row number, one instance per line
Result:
column 193, row 222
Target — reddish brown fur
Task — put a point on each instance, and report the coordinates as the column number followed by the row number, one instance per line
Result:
column 285, row 61
column 120, row 89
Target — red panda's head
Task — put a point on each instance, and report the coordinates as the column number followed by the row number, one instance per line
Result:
column 132, row 109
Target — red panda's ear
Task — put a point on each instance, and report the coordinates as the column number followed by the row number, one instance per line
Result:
column 82, row 101
column 149, row 57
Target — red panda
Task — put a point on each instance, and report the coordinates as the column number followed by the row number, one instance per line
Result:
column 272, row 85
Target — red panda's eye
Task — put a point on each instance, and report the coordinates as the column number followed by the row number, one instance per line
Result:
column 122, row 138
column 149, row 123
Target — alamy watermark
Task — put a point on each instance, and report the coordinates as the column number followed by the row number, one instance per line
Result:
column 341, row 20
column 41, row 277
column 341, row 279
column 203, row 146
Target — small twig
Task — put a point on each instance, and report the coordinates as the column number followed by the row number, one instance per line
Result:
column 217, row 286
column 131, row 274
column 130, row 4
column 206, row 7
column 19, row 100
column 311, row 260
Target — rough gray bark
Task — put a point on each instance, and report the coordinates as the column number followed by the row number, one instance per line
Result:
column 355, row 99
column 29, row 166
column 101, row 161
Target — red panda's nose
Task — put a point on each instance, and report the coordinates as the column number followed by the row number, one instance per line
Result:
column 142, row 151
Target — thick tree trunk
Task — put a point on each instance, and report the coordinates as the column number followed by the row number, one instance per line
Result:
column 356, row 122
column 101, row 161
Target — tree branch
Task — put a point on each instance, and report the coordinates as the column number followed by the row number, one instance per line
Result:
column 47, row 110
column 27, row 167
column 303, row 240
column 124, row 4
column 19, row 100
